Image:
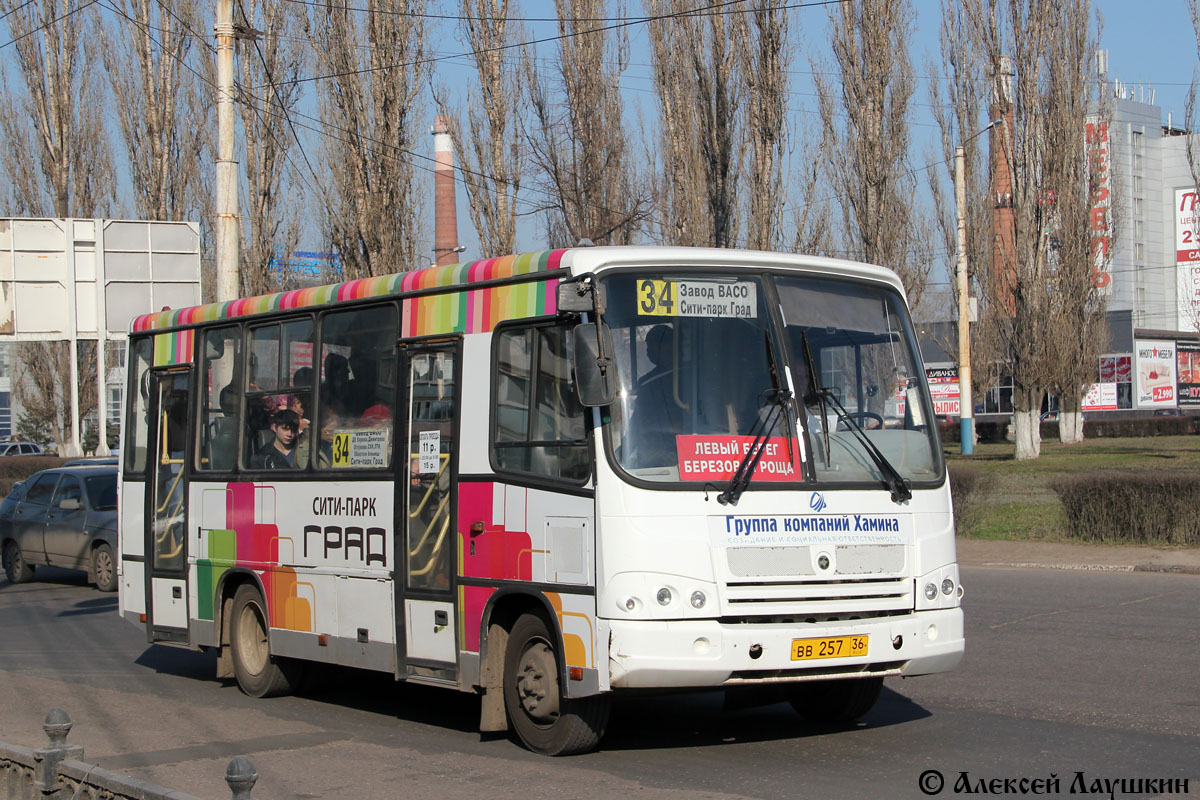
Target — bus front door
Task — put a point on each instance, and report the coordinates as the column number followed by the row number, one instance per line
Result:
column 166, row 506
column 426, row 531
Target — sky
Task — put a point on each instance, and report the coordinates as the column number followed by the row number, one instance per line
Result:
column 1150, row 44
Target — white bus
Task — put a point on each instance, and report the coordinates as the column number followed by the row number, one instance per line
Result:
column 546, row 478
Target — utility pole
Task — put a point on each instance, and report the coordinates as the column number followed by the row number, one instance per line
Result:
column 227, row 166
column 965, row 403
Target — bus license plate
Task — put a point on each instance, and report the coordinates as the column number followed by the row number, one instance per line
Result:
column 829, row 647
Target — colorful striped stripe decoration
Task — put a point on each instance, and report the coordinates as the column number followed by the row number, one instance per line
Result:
column 472, row 311
column 174, row 348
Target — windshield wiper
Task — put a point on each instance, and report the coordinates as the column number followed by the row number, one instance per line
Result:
column 814, row 383
column 749, row 463
column 892, row 478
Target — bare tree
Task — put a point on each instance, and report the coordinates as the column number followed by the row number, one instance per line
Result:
column 273, row 197
column 699, row 82
column 49, row 112
column 1080, row 173
column 147, row 53
column 959, row 112
column 488, row 147
column 578, row 143
column 866, row 129
column 766, row 69
column 374, row 65
column 41, row 384
column 1038, row 147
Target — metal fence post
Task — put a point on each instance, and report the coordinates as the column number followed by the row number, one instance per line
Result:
column 241, row 778
column 45, row 774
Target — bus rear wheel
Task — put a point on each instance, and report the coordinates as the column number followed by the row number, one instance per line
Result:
column 835, row 702
column 544, row 719
column 258, row 673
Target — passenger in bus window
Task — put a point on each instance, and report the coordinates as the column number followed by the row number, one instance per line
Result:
column 377, row 414
column 361, row 388
column 296, row 404
column 336, row 386
column 657, row 417
column 280, row 452
column 330, row 423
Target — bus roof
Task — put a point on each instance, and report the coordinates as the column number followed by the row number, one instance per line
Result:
column 577, row 261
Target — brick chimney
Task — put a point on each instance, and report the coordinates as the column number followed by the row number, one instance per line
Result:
column 1004, row 266
column 445, row 240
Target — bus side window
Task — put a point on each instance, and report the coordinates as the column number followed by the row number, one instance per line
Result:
column 540, row 427
column 219, row 414
column 357, row 389
column 137, row 407
column 275, row 414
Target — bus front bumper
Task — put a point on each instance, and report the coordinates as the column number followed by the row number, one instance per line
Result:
column 699, row 653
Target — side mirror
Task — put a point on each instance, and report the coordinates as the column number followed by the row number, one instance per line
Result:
column 595, row 373
column 69, row 504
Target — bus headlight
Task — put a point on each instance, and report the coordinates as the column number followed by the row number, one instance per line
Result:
column 630, row 603
column 930, row 591
column 947, row 586
column 664, row 596
column 698, row 599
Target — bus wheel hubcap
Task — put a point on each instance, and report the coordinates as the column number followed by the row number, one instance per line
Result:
column 537, row 683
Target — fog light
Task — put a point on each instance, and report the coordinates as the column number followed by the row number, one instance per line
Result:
column 664, row 596
column 698, row 599
column 947, row 586
column 932, row 633
column 930, row 591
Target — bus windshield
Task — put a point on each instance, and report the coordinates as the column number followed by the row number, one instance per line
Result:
column 699, row 367
column 856, row 339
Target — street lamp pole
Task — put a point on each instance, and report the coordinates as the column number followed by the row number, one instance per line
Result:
column 965, row 402
column 227, row 199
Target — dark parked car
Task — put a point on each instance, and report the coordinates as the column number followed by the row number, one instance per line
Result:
column 90, row 462
column 62, row 517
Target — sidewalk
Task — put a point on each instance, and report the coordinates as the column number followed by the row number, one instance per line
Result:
column 1078, row 555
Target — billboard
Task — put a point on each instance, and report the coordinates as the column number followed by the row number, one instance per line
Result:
column 1100, row 397
column 1187, row 259
column 1188, row 360
column 944, row 390
column 1154, row 378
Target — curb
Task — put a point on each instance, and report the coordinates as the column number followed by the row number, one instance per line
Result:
column 1178, row 569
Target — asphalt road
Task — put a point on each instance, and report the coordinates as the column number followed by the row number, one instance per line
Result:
column 1066, row 672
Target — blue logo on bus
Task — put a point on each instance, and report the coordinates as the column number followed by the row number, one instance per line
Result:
column 817, row 502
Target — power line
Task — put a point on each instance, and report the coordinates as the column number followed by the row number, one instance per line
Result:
column 15, row 10
column 561, row 37
column 701, row 12
column 45, row 25
column 286, row 116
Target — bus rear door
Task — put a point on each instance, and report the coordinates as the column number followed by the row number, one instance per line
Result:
column 426, row 506
column 166, row 505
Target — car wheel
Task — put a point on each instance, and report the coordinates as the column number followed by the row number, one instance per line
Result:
column 104, row 567
column 16, row 567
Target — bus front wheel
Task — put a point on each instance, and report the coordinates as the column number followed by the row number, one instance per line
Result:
column 544, row 719
column 835, row 702
column 258, row 673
